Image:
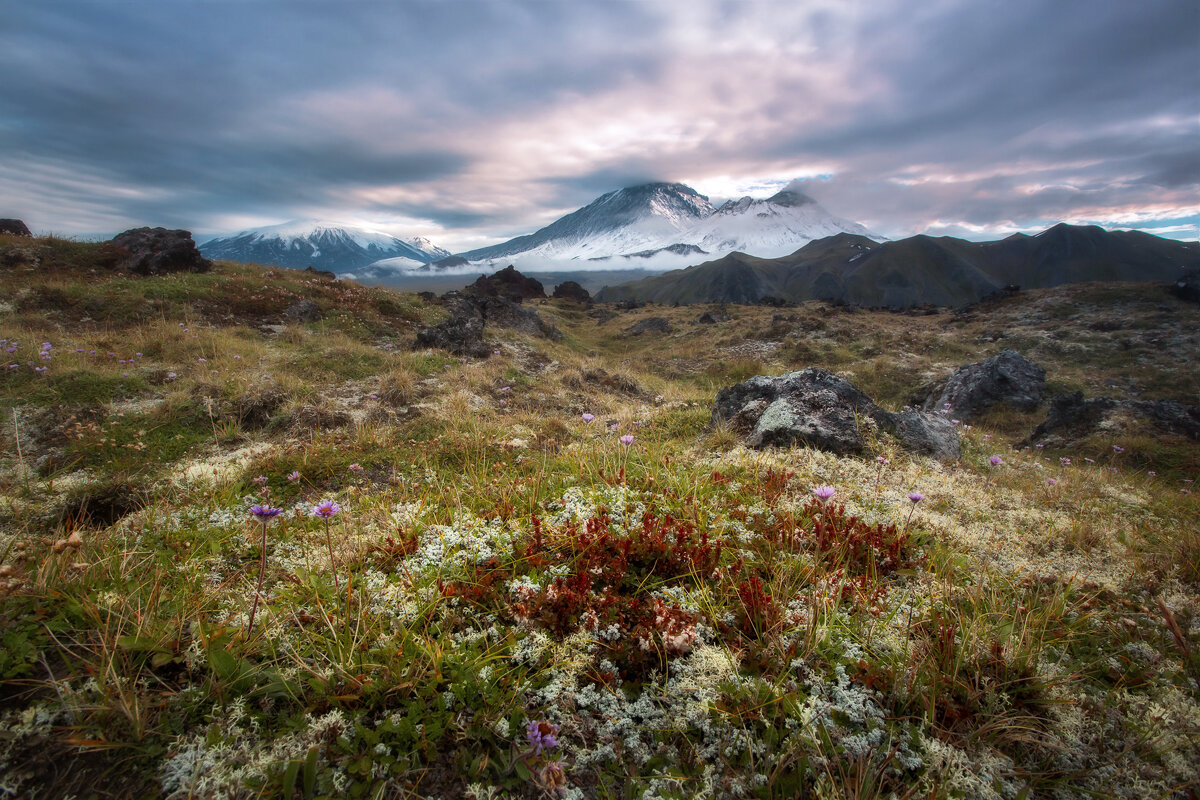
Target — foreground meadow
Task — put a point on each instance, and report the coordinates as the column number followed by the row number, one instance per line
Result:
column 242, row 557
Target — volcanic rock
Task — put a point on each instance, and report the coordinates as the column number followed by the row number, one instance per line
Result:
column 570, row 290
column 651, row 325
column 1188, row 287
column 156, row 251
column 817, row 408
column 507, row 283
column 1007, row 378
column 462, row 333
column 14, row 227
column 305, row 310
column 1071, row 418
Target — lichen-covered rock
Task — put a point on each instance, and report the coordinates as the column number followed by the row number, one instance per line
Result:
column 156, row 251
column 1005, row 379
column 819, row 409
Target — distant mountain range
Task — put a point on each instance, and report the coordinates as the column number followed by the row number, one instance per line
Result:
column 663, row 225
column 921, row 270
column 325, row 245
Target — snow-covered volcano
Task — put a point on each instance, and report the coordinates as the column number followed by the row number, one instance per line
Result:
column 325, row 245
column 664, row 226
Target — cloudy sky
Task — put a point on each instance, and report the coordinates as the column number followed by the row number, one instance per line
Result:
column 472, row 122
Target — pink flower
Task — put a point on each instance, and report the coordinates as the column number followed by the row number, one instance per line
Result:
column 995, row 461
column 626, row 440
column 326, row 509
column 824, row 492
column 588, row 417
column 915, row 497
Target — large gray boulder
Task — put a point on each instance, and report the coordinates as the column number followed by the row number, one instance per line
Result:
column 157, row 251
column 1005, row 379
column 814, row 407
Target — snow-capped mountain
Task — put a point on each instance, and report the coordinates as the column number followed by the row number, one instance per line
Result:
column 628, row 220
column 664, row 226
column 769, row 228
column 325, row 245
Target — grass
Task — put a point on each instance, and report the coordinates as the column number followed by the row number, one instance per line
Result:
column 682, row 613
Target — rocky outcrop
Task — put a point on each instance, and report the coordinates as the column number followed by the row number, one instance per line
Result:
column 14, row 227
column 650, row 325
column 462, row 333
column 814, row 407
column 305, row 310
column 709, row 318
column 570, row 290
column 157, row 251
column 507, row 283
column 1072, row 418
column 1005, row 379
column 1187, row 287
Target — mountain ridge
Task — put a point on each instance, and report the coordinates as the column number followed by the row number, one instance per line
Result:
column 919, row 270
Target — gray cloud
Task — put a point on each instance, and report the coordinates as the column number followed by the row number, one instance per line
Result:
column 479, row 120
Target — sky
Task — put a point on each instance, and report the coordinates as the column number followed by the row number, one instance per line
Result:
column 472, row 122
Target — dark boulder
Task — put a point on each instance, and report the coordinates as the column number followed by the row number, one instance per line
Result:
column 1187, row 287
column 462, row 333
column 305, row 310
column 651, row 325
column 320, row 273
column 14, row 227
column 570, row 290
column 505, row 313
column 814, row 407
column 709, row 318
column 157, row 251
column 1005, row 379
column 1072, row 418
column 507, row 283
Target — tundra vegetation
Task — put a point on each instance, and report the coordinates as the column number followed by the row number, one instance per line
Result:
column 240, row 558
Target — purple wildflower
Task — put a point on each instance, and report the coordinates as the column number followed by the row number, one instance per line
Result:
column 261, row 480
column 541, row 736
column 824, row 492
column 626, row 440
column 265, row 512
column 294, row 476
column 915, row 497
column 1051, row 481
column 995, row 461
column 355, row 467
column 588, row 417
column 326, row 509
column 1118, row 449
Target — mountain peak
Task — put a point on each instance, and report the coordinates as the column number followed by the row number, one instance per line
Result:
column 791, row 198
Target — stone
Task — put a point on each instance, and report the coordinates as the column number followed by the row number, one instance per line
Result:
column 157, row 251
column 321, row 273
column 305, row 310
column 570, row 290
column 1072, row 418
column 14, row 227
column 709, row 318
column 462, row 333
column 816, row 408
column 650, row 325
column 1187, row 287
column 1005, row 379
column 505, row 313
column 507, row 283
